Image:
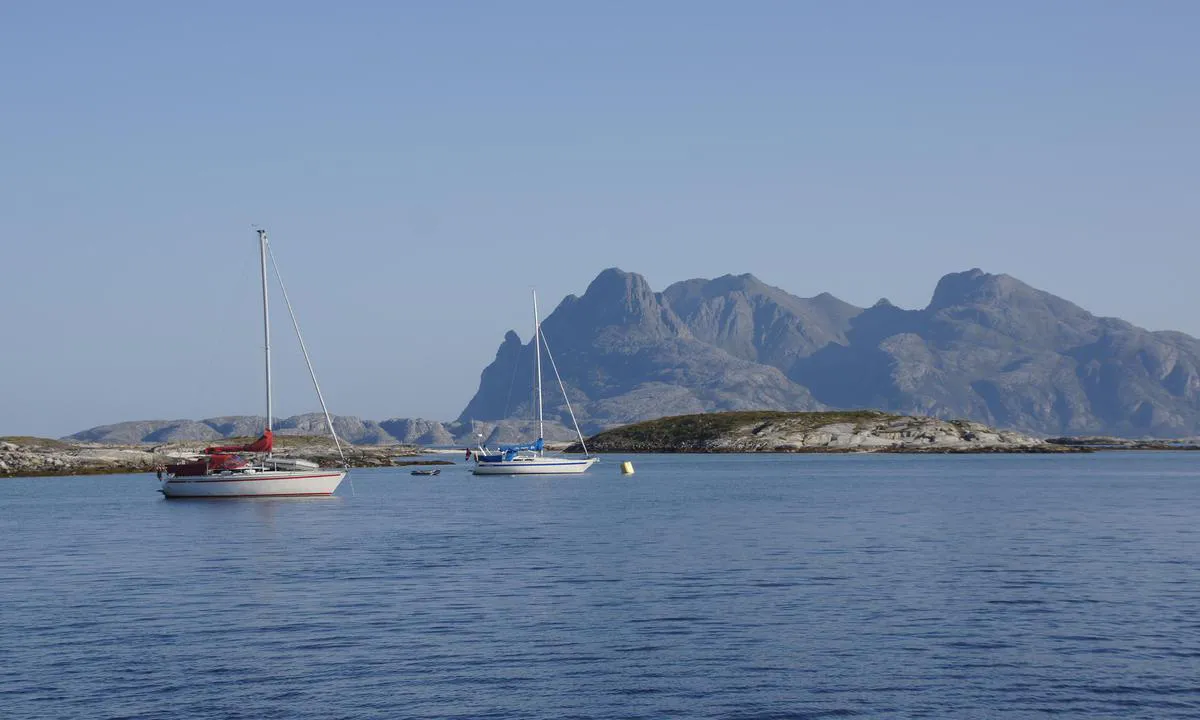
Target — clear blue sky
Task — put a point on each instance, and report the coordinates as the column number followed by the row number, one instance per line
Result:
column 421, row 165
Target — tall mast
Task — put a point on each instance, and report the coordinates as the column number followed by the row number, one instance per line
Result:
column 262, row 249
column 537, row 341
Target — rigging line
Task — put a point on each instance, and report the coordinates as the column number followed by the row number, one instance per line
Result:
column 312, row 373
column 564, row 392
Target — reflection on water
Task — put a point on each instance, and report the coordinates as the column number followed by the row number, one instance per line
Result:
column 702, row 586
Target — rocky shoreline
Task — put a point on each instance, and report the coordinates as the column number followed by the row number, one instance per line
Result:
column 34, row 457
column 816, row 432
column 854, row 431
column 1113, row 443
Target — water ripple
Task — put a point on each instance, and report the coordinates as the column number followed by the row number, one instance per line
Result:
column 747, row 588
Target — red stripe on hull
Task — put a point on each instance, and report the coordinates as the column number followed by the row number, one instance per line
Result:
column 230, row 497
column 174, row 481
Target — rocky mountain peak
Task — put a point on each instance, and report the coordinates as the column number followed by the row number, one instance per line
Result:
column 734, row 283
column 976, row 287
column 614, row 283
column 619, row 299
column 686, row 296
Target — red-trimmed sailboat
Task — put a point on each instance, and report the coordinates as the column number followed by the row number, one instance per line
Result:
column 222, row 472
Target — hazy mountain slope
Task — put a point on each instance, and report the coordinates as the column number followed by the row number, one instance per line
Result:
column 993, row 349
column 625, row 355
column 754, row 321
column 987, row 347
column 349, row 428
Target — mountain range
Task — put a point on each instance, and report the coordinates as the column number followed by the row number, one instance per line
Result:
column 987, row 347
column 348, row 428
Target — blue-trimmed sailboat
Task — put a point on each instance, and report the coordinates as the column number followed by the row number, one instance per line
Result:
column 531, row 458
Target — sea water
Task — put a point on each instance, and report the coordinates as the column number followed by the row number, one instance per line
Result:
column 722, row 586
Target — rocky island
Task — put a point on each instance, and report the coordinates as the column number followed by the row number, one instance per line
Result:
column 798, row 432
column 30, row 456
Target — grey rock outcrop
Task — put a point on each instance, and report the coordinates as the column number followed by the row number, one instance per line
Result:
column 349, row 428
column 238, row 425
column 39, row 456
column 183, row 431
column 416, row 431
column 134, row 431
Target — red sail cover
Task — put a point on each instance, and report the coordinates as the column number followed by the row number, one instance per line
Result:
column 217, row 463
column 261, row 445
column 211, row 464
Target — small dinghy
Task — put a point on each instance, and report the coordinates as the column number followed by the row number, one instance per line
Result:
column 434, row 471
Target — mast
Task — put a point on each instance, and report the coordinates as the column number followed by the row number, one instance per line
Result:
column 262, row 249
column 537, row 341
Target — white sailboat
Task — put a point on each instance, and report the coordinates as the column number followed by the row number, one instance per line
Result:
column 222, row 472
column 531, row 458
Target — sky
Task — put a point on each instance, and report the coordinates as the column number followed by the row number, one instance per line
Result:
column 421, row 165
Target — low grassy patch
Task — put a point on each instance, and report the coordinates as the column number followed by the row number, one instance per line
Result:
column 693, row 431
column 37, row 442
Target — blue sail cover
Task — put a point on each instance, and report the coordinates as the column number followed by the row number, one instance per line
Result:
column 535, row 446
column 508, row 452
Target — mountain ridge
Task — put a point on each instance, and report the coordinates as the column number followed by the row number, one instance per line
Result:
column 987, row 348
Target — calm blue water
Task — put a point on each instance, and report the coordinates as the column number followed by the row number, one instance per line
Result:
column 701, row 587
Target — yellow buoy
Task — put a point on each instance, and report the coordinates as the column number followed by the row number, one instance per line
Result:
column 626, row 468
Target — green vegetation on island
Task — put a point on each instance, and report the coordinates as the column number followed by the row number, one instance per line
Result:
column 833, row 431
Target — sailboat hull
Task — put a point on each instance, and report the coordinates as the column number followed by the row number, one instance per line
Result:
column 261, row 484
column 535, row 466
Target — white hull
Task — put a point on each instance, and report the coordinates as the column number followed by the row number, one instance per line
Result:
column 535, row 466
column 255, row 484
